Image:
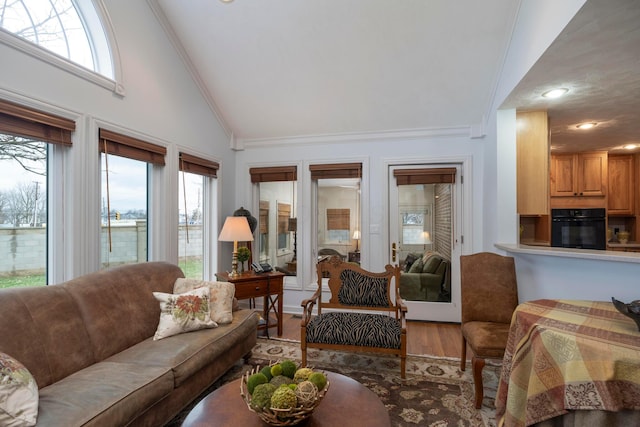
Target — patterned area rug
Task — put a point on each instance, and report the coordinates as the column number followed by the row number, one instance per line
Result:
column 435, row 392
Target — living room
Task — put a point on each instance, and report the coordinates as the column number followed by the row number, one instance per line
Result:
column 155, row 94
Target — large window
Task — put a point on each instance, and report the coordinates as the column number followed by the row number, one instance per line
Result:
column 337, row 208
column 277, row 220
column 196, row 176
column 125, row 168
column 27, row 138
column 68, row 28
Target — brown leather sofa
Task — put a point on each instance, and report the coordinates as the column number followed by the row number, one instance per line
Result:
column 88, row 343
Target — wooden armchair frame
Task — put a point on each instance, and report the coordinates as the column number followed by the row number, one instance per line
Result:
column 358, row 310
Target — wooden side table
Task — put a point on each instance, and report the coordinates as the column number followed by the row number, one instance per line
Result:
column 251, row 285
column 354, row 257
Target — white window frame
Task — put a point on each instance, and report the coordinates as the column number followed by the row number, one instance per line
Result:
column 102, row 42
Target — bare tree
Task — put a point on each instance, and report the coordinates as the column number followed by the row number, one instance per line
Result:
column 4, row 203
column 28, row 153
column 25, row 204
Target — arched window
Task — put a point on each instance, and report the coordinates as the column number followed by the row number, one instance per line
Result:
column 71, row 29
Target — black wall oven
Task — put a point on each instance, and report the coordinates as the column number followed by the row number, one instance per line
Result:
column 578, row 228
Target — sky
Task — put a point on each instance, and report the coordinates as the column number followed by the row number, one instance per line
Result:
column 127, row 183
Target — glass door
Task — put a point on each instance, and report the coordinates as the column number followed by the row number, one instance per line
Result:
column 423, row 202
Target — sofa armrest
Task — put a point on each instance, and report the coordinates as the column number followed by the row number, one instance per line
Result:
column 410, row 287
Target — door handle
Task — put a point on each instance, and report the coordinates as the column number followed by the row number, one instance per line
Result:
column 393, row 252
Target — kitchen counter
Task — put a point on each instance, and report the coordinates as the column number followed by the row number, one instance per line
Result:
column 634, row 245
column 608, row 255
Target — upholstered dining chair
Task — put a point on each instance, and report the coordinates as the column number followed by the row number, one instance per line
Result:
column 489, row 297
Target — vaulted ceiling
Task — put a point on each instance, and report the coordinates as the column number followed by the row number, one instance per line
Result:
column 287, row 69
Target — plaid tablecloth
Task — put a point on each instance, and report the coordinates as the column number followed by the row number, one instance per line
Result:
column 567, row 355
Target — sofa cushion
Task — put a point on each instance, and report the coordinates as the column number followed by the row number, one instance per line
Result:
column 185, row 312
column 187, row 354
column 432, row 264
column 428, row 254
column 408, row 262
column 416, row 267
column 104, row 394
column 221, row 297
column 117, row 305
column 359, row 329
column 18, row 394
column 42, row 328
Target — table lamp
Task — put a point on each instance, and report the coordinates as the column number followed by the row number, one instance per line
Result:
column 356, row 237
column 426, row 239
column 235, row 229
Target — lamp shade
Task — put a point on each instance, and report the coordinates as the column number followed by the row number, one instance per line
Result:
column 426, row 238
column 356, row 235
column 293, row 224
column 235, row 229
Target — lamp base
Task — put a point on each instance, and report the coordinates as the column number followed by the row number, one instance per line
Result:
column 234, row 266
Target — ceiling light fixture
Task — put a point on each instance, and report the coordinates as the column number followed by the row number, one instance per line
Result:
column 630, row 146
column 555, row 93
column 585, row 126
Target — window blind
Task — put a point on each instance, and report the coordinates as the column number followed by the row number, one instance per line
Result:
column 198, row 165
column 425, row 176
column 336, row 170
column 273, row 174
column 26, row 122
column 338, row 219
column 264, row 216
column 284, row 212
column 132, row 148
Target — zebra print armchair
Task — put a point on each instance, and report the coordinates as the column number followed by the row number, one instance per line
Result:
column 364, row 315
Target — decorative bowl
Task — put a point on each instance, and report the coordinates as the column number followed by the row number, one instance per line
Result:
column 281, row 417
column 623, row 237
column 631, row 310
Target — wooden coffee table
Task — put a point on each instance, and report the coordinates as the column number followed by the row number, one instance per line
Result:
column 347, row 402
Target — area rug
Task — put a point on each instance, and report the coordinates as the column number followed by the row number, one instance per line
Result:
column 434, row 393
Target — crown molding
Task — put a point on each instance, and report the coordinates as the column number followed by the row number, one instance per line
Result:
column 473, row 132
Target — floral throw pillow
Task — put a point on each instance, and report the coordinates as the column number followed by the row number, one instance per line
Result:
column 184, row 312
column 18, row 394
column 221, row 302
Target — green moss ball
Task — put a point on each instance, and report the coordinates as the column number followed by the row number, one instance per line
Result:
column 254, row 380
column 279, row 380
column 266, row 371
column 261, row 397
column 284, row 398
column 288, row 368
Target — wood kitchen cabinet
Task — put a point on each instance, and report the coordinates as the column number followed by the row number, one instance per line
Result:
column 532, row 153
column 621, row 200
column 579, row 174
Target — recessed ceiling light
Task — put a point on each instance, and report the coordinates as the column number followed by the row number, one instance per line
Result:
column 585, row 126
column 630, row 146
column 555, row 93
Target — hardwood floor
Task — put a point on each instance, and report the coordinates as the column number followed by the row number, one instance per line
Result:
column 425, row 338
